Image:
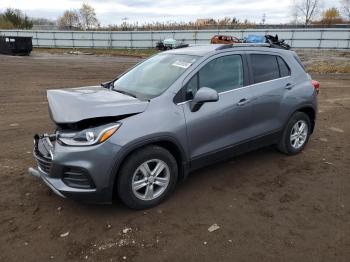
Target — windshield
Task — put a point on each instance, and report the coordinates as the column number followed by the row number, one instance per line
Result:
column 153, row 76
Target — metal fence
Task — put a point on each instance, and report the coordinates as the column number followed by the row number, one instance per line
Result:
column 334, row 38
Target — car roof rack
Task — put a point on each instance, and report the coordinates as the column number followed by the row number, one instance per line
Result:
column 225, row 46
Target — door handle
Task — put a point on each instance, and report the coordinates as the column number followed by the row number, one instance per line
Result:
column 288, row 86
column 242, row 102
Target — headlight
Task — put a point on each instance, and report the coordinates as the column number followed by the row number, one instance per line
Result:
column 90, row 136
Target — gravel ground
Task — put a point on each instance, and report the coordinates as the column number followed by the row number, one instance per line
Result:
column 267, row 206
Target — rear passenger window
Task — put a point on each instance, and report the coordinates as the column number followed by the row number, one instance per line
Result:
column 284, row 69
column 264, row 67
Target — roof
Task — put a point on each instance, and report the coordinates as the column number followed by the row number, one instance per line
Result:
column 202, row 50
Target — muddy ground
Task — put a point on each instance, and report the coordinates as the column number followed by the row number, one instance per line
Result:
column 270, row 207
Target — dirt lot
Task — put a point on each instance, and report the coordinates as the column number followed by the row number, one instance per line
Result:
column 269, row 207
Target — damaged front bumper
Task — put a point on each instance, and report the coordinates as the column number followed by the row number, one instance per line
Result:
column 75, row 172
column 36, row 173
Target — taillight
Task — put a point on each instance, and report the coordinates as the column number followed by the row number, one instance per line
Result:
column 316, row 85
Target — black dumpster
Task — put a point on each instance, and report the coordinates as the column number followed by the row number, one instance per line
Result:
column 15, row 45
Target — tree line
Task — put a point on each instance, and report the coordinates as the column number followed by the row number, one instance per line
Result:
column 15, row 18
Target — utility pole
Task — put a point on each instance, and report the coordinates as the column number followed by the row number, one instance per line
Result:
column 124, row 23
column 263, row 19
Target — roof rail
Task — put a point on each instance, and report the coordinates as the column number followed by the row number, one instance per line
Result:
column 182, row 46
column 242, row 45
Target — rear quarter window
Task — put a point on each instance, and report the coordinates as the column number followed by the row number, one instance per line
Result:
column 284, row 68
column 299, row 61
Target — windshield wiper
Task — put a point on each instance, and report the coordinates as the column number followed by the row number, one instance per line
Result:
column 125, row 92
column 107, row 85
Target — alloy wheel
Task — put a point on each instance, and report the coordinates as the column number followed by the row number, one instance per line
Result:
column 298, row 134
column 150, row 179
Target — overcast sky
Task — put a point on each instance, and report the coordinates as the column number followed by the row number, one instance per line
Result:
column 113, row 11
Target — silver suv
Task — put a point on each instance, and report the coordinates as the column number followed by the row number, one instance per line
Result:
column 136, row 136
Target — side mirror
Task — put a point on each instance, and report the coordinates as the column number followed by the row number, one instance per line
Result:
column 203, row 95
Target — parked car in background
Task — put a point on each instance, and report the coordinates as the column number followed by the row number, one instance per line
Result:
column 273, row 41
column 137, row 135
column 224, row 39
column 170, row 43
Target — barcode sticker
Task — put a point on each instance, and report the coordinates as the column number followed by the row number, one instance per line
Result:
column 182, row 64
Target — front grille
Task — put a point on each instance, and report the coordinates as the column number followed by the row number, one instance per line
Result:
column 43, row 149
column 43, row 163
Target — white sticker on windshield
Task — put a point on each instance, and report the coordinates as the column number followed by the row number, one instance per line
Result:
column 181, row 64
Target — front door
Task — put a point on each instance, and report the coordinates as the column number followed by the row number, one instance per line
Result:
column 226, row 122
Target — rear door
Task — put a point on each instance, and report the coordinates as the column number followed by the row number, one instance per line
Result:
column 218, row 125
column 270, row 83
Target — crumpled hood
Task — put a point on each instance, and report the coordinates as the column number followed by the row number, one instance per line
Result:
column 72, row 105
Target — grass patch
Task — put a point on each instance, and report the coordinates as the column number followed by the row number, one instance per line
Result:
column 92, row 51
column 329, row 67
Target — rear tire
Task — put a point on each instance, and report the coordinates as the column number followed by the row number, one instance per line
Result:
column 147, row 177
column 296, row 134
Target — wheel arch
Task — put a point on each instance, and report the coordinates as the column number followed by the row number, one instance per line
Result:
column 167, row 142
column 310, row 112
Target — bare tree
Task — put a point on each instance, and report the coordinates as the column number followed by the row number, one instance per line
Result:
column 69, row 20
column 345, row 4
column 306, row 10
column 87, row 17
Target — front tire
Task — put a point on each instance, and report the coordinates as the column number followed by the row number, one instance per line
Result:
column 296, row 134
column 147, row 177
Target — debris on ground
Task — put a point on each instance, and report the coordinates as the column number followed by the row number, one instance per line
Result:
column 126, row 230
column 213, row 228
column 65, row 234
column 336, row 129
column 79, row 53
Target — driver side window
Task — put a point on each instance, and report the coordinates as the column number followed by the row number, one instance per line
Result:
column 222, row 74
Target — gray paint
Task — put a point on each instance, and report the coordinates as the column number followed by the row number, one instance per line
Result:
column 215, row 126
column 72, row 105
